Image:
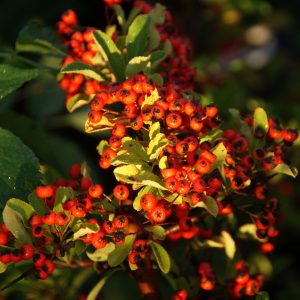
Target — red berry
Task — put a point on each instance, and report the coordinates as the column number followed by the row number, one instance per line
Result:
column 157, row 214
column 44, row 191
column 121, row 222
column 85, row 183
column 75, row 171
column 121, row 192
column 26, row 251
column 3, row 238
column 95, row 191
column 148, row 202
column 49, row 218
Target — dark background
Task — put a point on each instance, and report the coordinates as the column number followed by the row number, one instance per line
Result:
column 217, row 30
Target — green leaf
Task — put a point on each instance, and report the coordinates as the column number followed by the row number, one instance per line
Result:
column 37, row 38
column 157, row 14
column 3, row 267
column 62, row 195
column 101, row 254
column 19, row 168
column 157, row 78
column 247, row 231
column 156, row 145
column 137, row 36
column 12, row 78
column 135, row 148
column 174, row 198
column 102, row 146
column 120, row 14
column 121, row 252
column 154, row 38
column 14, row 273
column 126, row 159
column 138, row 64
column 112, row 53
column 210, row 205
column 97, row 288
column 38, row 205
column 152, row 98
column 24, row 209
column 162, row 257
column 131, row 174
column 163, row 162
column 285, row 169
column 84, row 229
column 220, row 151
column 260, row 122
column 154, row 130
column 15, row 223
column 239, row 124
column 159, row 233
column 211, row 136
column 229, row 244
column 78, row 67
column 104, row 124
column 132, row 15
column 262, row 296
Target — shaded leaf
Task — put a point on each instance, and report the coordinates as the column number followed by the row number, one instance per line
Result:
column 137, row 36
column 285, row 169
column 113, row 54
column 84, row 229
column 19, row 168
column 37, row 38
column 101, row 254
column 97, row 288
column 12, row 78
column 15, row 223
column 161, row 256
column 78, row 67
column 121, row 252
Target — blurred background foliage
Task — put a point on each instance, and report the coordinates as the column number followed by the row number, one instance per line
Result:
column 246, row 54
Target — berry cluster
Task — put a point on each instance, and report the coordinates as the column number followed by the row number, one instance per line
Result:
column 244, row 284
column 202, row 160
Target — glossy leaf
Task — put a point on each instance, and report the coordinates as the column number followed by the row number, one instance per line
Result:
column 161, row 256
column 19, row 168
column 260, row 122
column 138, row 33
column 210, row 205
column 135, row 148
column 113, row 54
column 78, row 67
column 121, row 252
column 221, row 152
column 285, row 169
column 152, row 98
column 37, row 38
column 15, row 223
column 84, row 229
column 131, row 174
column 101, row 254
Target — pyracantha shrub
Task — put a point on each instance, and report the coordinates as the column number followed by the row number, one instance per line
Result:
column 186, row 177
